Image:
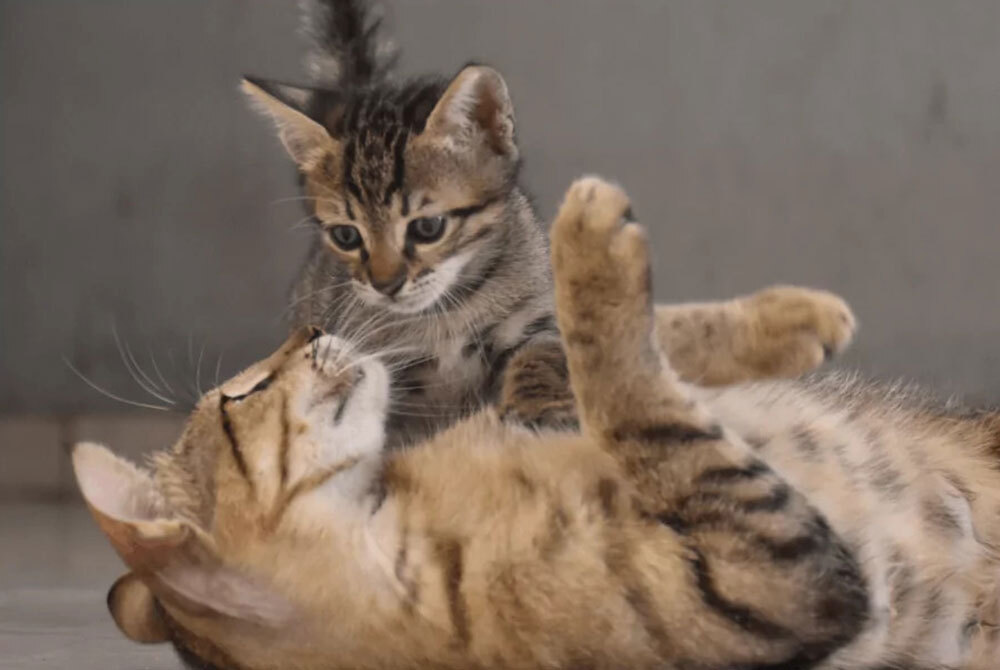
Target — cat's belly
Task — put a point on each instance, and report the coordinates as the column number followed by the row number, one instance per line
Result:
column 909, row 524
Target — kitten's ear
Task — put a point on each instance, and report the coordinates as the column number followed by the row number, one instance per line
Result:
column 476, row 105
column 174, row 560
column 307, row 141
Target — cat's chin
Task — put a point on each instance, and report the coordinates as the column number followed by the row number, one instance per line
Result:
column 352, row 426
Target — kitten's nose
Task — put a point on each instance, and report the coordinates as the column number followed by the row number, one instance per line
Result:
column 390, row 286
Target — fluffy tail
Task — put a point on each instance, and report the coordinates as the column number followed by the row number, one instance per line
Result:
column 346, row 50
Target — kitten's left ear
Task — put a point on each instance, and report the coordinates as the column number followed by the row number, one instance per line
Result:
column 476, row 105
column 306, row 140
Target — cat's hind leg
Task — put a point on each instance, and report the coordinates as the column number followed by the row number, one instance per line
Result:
column 775, row 585
column 779, row 331
column 604, row 309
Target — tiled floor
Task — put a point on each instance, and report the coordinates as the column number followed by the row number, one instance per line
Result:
column 55, row 569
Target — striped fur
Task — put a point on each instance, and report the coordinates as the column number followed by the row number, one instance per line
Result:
column 777, row 525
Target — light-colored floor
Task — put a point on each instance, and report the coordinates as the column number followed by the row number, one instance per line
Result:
column 55, row 570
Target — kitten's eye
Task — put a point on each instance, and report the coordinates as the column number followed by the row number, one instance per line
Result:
column 426, row 229
column 346, row 237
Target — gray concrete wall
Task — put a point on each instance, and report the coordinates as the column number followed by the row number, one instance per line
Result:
column 848, row 145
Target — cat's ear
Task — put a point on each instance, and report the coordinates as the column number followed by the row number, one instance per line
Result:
column 171, row 560
column 306, row 140
column 477, row 107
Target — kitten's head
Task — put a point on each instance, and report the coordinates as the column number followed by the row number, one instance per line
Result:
column 228, row 537
column 406, row 182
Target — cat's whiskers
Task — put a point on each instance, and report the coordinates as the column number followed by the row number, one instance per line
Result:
column 159, row 375
column 149, row 388
column 189, row 395
column 302, row 198
column 332, row 309
column 109, row 394
column 301, row 223
column 418, row 415
column 469, row 326
column 197, row 371
column 368, row 334
column 138, row 368
column 218, row 369
column 361, row 360
column 312, row 294
column 192, row 388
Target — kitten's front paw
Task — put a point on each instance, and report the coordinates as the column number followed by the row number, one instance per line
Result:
column 810, row 326
column 536, row 391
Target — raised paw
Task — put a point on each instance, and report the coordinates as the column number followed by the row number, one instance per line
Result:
column 803, row 327
column 602, row 285
column 600, row 259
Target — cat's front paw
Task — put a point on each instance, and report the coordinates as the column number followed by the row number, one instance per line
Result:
column 535, row 391
column 806, row 326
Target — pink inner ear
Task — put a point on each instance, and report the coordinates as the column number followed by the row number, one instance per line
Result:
column 113, row 485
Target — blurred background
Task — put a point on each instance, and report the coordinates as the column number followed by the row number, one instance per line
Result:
column 853, row 146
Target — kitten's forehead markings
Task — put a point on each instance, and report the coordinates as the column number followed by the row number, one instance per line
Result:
column 398, row 170
column 380, row 127
column 350, row 185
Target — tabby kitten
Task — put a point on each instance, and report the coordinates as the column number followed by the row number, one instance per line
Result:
column 428, row 248
column 772, row 526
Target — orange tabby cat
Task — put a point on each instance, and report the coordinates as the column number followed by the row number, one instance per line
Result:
column 776, row 525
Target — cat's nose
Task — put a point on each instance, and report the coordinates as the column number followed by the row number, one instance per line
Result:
column 390, row 286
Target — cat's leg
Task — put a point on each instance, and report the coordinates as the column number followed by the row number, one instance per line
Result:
column 780, row 331
column 535, row 390
column 775, row 586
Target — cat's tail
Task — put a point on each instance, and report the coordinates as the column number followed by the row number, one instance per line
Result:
column 346, row 49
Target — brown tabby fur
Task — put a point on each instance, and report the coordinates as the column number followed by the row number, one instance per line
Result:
column 778, row 525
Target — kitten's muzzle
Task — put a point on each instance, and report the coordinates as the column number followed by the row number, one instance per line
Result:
column 391, row 286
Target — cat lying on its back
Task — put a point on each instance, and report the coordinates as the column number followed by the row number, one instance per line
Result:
column 774, row 525
column 428, row 250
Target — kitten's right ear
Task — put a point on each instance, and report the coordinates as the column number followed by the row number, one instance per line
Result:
column 307, row 141
column 477, row 106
